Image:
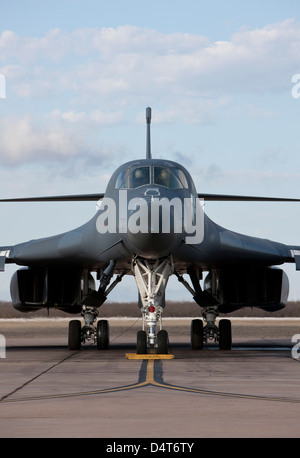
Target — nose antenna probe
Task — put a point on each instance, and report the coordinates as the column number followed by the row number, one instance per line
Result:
column 148, row 143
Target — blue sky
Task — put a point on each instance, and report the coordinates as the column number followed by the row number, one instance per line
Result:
column 79, row 75
column 215, row 19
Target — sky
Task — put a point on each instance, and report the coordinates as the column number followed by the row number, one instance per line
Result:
column 220, row 77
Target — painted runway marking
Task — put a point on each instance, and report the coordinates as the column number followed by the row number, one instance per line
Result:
column 151, row 375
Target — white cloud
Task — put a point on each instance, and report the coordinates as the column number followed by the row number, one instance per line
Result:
column 75, row 82
column 22, row 140
column 70, row 116
column 247, row 181
column 128, row 62
column 66, row 141
column 96, row 116
column 55, row 45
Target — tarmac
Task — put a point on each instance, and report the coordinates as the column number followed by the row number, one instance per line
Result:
column 251, row 391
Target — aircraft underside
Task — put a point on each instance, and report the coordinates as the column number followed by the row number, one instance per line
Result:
column 224, row 290
column 151, row 278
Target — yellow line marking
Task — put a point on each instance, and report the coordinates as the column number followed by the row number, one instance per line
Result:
column 150, row 381
column 148, row 356
column 231, row 395
column 150, row 372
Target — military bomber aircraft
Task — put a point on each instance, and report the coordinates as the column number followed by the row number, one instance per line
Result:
column 150, row 224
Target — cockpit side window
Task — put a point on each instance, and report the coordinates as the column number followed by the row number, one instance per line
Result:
column 131, row 179
column 170, row 177
column 181, row 177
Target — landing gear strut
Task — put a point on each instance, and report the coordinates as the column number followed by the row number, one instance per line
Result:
column 89, row 315
column 151, row 279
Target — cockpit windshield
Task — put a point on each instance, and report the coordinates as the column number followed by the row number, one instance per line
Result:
column 131, row 179
column 170, row 177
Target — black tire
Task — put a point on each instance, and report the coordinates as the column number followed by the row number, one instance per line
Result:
column 102, row 335
column 197, row 334
column 141, row 343
column 74, row 336
column 162, row 342
column 225, row 338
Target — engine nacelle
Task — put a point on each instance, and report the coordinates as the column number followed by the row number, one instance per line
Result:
column 267, row 288
column 35, row 288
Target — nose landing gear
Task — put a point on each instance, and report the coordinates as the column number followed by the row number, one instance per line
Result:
column 151, row 279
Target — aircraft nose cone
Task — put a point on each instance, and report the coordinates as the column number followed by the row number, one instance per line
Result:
column 159, row 228
column 156, row 245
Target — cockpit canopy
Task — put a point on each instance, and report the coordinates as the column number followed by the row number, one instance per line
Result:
column 134, row 177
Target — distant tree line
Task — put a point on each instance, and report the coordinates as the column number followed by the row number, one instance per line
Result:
column 130, row 309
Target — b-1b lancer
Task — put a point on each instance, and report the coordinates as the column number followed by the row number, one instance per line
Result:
column 150, row 224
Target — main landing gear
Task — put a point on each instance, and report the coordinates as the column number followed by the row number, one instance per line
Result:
column 96, row 333
column 89, row 332
column 151, row 279
column 201, row 334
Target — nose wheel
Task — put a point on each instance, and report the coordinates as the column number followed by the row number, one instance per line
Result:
column 162, row 342
column 141, row 344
